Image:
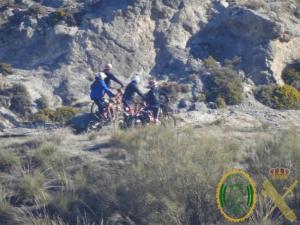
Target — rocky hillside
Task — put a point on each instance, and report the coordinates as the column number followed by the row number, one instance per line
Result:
column 55, row 47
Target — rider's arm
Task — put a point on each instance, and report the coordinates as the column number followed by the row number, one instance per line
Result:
column 164, row 94
column 106, row 89
column 114, row 78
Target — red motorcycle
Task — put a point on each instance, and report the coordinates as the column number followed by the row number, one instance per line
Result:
column 139, row 116
column 112, row 112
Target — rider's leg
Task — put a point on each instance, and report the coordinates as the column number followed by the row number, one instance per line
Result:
column 101, row 106
column 128, row 106
column 156, row 114
column 155, row 111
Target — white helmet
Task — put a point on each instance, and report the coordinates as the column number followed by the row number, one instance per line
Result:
column 101, row 75
column 136, row 78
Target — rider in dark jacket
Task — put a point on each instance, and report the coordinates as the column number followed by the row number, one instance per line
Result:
column 98, row 90
column 110, row 77
column 130, row 91
column 153, row 99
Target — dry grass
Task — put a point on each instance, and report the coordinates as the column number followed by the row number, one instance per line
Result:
column 165, row 172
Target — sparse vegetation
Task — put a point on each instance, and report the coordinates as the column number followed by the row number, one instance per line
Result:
column 169, row 172
column 6, row 69
column 281, row 97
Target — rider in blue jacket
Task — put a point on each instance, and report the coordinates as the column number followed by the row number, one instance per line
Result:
column 98, row 90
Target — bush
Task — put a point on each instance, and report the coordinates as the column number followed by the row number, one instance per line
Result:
column 264, row 94
column 62, row 15
column 42, row 102
column 292, row 77
column 20, row 99
column 286, row 97
column 210, row 63
column 64, row 114
column 61, row 115
column 44, row 116
column 6, row 69
column 281, row 97
column 172, row 89
column 225, row 83
column 37, row 9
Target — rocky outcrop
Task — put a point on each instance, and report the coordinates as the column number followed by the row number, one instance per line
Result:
column 55, row 47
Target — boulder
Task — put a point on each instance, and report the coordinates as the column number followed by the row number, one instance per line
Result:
column 198, row 106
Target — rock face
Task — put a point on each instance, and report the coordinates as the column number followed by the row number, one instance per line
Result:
column 55, row 47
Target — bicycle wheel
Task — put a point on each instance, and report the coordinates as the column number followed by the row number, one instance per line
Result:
column 95, row 125
column 94, row 110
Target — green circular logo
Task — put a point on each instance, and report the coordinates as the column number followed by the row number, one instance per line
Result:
column 236, row 196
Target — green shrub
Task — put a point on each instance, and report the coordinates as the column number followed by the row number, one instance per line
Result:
column 286, row 97
column 60, row 115
column 264, row 94
column 292, row 77
column 44, row 115
column 225, row 83
column 281, row 97
column 64, row 114
column 210, row 63
column 42, row 102
column 6, row 69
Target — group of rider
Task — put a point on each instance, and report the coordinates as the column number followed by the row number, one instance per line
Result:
column 102, row 83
